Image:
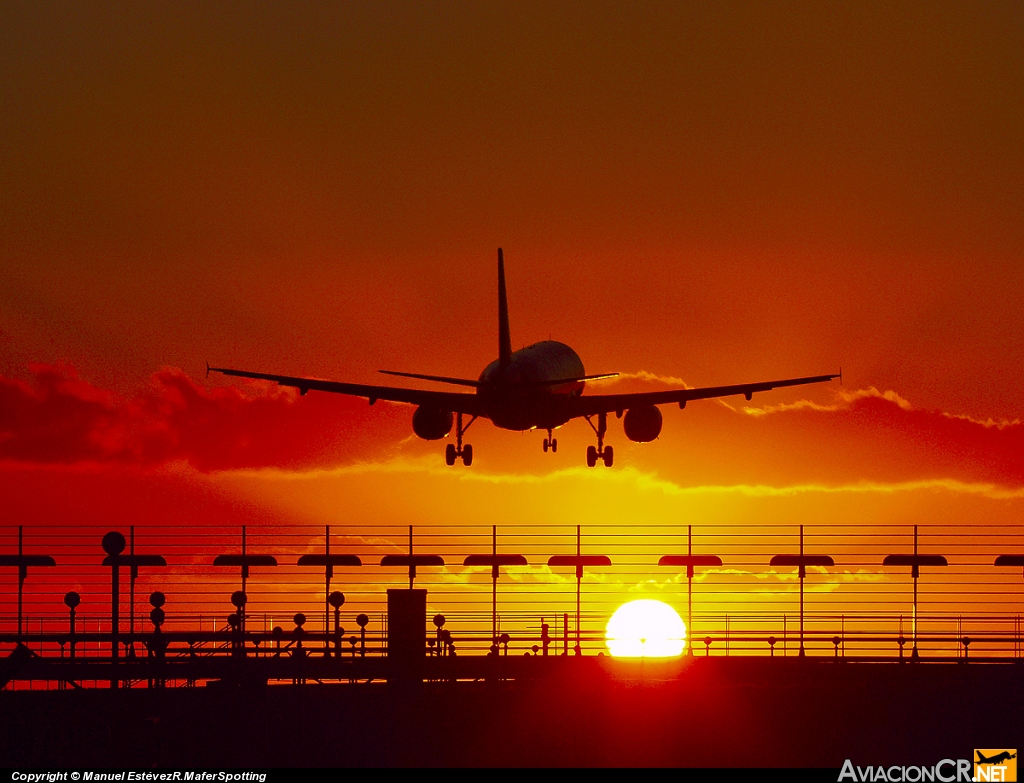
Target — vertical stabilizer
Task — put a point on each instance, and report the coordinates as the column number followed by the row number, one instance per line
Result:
column 504, row 336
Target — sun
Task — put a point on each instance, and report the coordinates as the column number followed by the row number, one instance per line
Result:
column 645, row 629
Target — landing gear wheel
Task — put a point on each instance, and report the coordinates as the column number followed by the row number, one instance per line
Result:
column 600, row 451
column 550, row 442
column 457, row 450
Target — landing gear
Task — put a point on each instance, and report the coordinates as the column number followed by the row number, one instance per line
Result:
column 550, row 443
column 605, row 453
column 454, row 451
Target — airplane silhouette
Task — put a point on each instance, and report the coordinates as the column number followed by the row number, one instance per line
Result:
column 538, row 387
column 1004, row 756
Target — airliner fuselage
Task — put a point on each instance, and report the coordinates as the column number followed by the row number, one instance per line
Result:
column 530, row 391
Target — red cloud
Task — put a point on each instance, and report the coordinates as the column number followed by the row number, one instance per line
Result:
column 865, row 436
column 64, row 420
column 888, row 439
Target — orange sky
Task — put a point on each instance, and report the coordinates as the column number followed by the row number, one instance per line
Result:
column 715, row 193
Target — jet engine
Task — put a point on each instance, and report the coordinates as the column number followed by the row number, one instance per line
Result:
column 642, row 424
column 431, row 423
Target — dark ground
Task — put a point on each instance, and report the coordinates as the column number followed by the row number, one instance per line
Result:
column 715, row 712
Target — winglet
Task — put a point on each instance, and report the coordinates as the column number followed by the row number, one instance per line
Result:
column 207, row 369
column 504, row 335
column 840, row 375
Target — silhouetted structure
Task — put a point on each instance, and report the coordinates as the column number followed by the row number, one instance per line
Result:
column 156, row 645
column 244, row 560
column 495, row 561
column 915, row 561
column 186, row 653
column 336, row 600
column 579, row 562
column 690, row 561
column 114, row 544
column 22, row 561
column 411, row 561
column 72, row 601
column 1010, row 560
column 801, row 561
column 329, row 562
column 407, row 634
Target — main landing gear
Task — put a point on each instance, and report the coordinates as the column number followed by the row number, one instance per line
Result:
column 602, row 452
column 454, row 451
column 550, row 443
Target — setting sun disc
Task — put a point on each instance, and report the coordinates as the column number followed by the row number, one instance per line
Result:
column 645, row 628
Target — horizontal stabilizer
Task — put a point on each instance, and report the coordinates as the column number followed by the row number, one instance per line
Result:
column 437, row 378
column 560, row 381
column 477, row 384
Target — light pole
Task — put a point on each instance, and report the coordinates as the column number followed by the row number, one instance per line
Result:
column 22, row 562
column 114, row 544
column 579, row 561
column 802, row 561
column 915, row 561
column 691, row 561
column 495, row 561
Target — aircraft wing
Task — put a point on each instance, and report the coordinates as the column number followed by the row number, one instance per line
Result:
column 456, row 402
column 590, row 405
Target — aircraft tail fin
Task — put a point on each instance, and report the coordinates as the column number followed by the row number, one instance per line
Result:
column 504, row 335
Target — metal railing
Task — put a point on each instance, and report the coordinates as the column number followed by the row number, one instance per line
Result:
column 933, row 591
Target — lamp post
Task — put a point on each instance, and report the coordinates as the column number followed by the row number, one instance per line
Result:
column 244, row 561
column 114, row 544
column 411, row 561
column 802, row 561
column 157, row 645
column 362, row 621
column 238, row 600
column 579, row 561
column 328, row 561
column 71, row 601
column 915, row 561
column 691, row 561
column 337, row 600
column 22, row 562
column 495, row 561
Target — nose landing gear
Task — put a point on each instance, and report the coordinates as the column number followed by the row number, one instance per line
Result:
column 454, row 451
column 605, row 453
column 550, row 443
